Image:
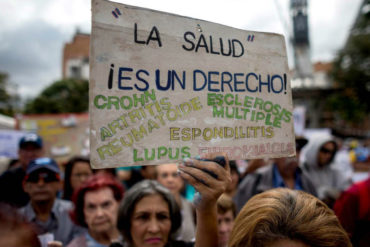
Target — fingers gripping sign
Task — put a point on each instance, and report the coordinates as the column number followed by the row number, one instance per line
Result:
column 210, row 176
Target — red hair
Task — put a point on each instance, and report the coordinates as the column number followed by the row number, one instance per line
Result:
column 94, row 183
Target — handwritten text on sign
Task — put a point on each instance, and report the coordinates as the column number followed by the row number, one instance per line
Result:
column 165, row 87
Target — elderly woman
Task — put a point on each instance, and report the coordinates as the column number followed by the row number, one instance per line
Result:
column 284, row 217
column 96, row 207
column 149, row 214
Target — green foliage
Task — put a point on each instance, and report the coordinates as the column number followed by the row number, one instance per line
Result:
column 6, row 107
column 351, row 70
column 62, row 96
column 348, row 108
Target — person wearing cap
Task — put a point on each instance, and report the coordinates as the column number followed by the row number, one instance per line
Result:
column 30, row 148
column 284, row 172
column 45, row 211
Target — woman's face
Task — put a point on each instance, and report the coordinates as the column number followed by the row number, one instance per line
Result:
column 80, row 172
column 325, row 154
column 100, row 210
column 151, row 222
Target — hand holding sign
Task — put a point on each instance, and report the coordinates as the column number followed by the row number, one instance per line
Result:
column 210, row 176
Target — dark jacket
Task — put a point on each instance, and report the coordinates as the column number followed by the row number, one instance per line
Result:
column 262, row 180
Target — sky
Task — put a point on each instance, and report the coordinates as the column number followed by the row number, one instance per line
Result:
column 33, row 33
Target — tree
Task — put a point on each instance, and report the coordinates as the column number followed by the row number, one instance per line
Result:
column 64, row 96
column 6, row 99
column 351, row 71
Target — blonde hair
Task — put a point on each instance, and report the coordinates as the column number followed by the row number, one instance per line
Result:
column 287, row 214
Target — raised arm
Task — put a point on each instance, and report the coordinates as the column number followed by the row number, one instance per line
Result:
column 210, row 188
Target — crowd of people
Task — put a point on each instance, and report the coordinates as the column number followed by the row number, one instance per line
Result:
column 306, row 200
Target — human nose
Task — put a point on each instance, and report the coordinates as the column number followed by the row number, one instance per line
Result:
column 223, row 227
column 153, row 226
column 99, row 212
column 84, row 178
column 170, row 179
column 40, row 182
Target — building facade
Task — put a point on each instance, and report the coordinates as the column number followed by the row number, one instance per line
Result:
column 76, row 57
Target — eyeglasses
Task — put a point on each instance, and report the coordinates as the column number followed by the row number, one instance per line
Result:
column 326, row 151
column 48, row 177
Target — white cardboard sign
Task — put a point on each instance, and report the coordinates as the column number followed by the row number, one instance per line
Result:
column 164, row 87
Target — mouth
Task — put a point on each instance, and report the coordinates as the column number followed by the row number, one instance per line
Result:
column 153, row 240
column 171, row 188
column 41, row 192
column 100, row 222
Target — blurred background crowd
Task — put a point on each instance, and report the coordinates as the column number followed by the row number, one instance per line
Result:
column 72, row 205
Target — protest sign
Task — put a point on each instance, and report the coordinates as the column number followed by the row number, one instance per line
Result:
column 9, row 143
column 164, row 87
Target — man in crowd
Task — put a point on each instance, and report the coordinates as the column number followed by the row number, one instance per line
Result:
column 168, row 176
column 11, row 192
column 45, row 211
column 284, row 172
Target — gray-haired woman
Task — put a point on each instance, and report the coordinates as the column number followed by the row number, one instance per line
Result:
column 148, row 214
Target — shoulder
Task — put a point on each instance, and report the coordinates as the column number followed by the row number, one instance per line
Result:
column 62, row 207
column 27, row 212
column 356, row 189
column 12, row 172
column 258, row 174
column 264, row 170
column 252, row 184
column 63, row 204
column 22, row 210
column 304, row 173
column 79, row 241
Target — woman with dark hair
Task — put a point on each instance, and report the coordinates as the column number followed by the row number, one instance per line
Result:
column 140, row 195
column 76, row 171
column 96, row 206
column 149, row 215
